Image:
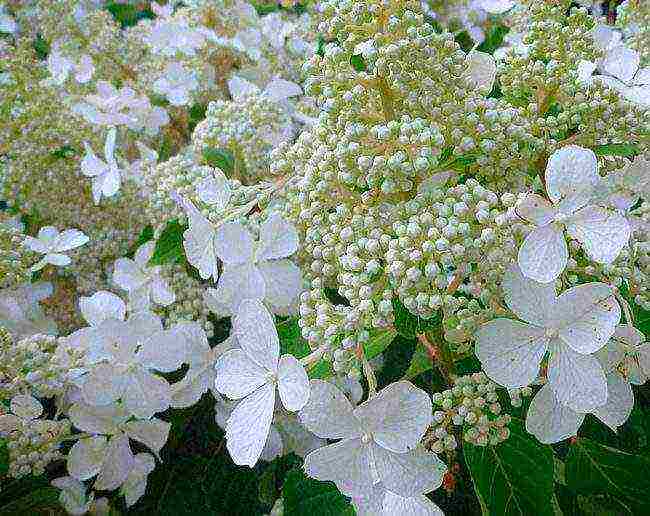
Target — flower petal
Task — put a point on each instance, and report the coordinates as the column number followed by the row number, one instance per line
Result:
column 233, row 243
column 70, row 239
column 254, row 328
column 26, row 407
column 293, row 383
column 603, row 233
column 528, row 299
column 329, row 413
column 620, row 402
column 578, row 381
column 418, row 505
column 238, row 375
column 549, row 420
column 101, row 306
column 240, row 282
column 249, row 424
column 397, row 416
column 571, row 175
column 278, row 239
column 621, row 62
column 346, row 463
column 586, row 316
column 510, row 351
column 544, row 254
column 117, row 465
column 283, row 282
column 97, row 420
column 152, row 433
column 103, row 385
column 128, row 275
column 85, row 458
column 480, row 71
column 145, row 394
column 411, row 473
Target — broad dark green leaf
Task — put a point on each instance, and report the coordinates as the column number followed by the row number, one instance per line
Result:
column 358, row 63
column 617, row 149
column 515, row 477
column 169, row 246
column 592, row 468
column 4, row 457
column 304, row 496
column 292, row 342
column 128, row 15
column 378, row 342
column 409, row 325
column 397, row 358
column 493, row 39
column 220, row 158
column 28, row 495
column 420, row 362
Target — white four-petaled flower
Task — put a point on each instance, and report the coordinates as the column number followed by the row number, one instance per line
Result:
column 252, row 374
column 52, row 243
column 379, row 440
column 570, row 327
column 571, row 182
column 176, row 83
column 142, row 281
column 106, row 175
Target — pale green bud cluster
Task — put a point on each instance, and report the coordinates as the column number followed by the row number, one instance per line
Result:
column 473, row 406
column 34, row 444
column 33, row 365
column 634, row 20
column 249, row 128
column 15, row 260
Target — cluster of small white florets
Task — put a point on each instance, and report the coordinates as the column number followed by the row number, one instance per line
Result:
column 473, row 405
column 33, row 442
column 503, row 198
column 35, row 364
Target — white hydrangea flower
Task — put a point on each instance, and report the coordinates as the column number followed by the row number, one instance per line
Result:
column 571, row 180
column 73, row 495
column 570, row 327
column 106, row 175
column 177, row 84
column 110, row 458
column 378, row 443
column 276, row 30
column 496, row 6
column 135, row 484
column 201, row 359
column 143, row 282
column 619, row 68
column 61, row 66
column 52, row 243
column 277, row 90
column 215, row 190
column 628, row 353
column 7, row 23
column 106, row 108
column 24, row 410
column 20, row 311
column 123, row 355
column 169, row 37
column 286, row 435
column 257, row 270
column 481, row 70
column 252, row 374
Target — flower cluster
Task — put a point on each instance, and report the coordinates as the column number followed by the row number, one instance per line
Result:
column 269, row 204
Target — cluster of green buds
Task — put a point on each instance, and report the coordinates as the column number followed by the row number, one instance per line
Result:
column 473, row 406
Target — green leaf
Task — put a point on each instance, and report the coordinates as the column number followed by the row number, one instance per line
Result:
column 4, row 457
column 514, row 477
column 292, row 342
column 397, row 358
column 592, row 468
column 41, row 47
column 378, row 342
column 28, row 495
column 128, row 15
column 493, row 39
column 409, row 325
column 420, row 362
column 617, row 149
column 358, row 63
column 220, row 158
column 308, row 497
column 169, row 246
